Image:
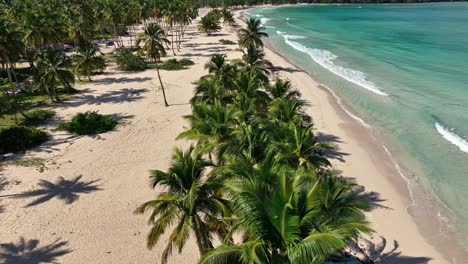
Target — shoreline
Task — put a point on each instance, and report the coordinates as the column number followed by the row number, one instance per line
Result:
column 447, row 250
column 115, row 166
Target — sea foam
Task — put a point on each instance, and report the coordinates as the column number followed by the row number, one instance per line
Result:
column 325, row 58
column 452, row 137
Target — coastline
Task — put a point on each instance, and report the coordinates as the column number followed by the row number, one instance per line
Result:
column 394, row 188
column 98, row 226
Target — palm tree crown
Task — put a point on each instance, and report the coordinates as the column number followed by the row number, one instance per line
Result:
column 253, row 33
column 192, row 201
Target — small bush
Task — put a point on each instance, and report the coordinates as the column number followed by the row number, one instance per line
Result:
column 37, row 117
column 175, row 65
column 19, row 138
column 128, row 61
column 227, row 42
column 89, row 123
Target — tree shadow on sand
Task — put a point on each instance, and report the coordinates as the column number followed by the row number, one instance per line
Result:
column 29, row 252
column 66, row 190
column 125, row 95
column 373, row 199
column 377, row 252
column 335, row 152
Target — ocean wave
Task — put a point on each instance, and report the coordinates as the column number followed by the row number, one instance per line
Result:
column 452, row 137
column 264, row 20
column 325, row 58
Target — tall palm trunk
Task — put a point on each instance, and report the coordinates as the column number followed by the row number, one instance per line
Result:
column 172, row 36
column 162, row 86
column 203, row 242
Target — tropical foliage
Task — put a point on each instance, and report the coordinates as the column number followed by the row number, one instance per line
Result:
column 256, row 170
column 154, row 39
column 210, row 23
column 87, row 62
column 89, row 123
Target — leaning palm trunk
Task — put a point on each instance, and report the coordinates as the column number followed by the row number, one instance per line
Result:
column 162, row 86
column 172, row 36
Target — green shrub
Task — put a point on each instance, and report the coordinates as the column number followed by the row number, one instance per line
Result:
column 175, row 65
column 37, row 117
column 20, row 138
column 128, row 61
column 227, row 42
column 89, row 123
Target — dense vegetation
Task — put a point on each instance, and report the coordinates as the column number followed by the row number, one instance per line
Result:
column 89, row 123
column 218, row 3
column 254, row 171
column 20, row 138
column 36, row 38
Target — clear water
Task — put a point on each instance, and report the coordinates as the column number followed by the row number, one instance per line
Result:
column 402, row 68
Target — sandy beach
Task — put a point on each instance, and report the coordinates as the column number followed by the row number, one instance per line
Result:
column 92, row 184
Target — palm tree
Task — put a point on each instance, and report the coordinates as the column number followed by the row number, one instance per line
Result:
column 11, row 48
column 254, row 60
column 221, row 69
column 252, row 35
column 288, row 216
column 228, row 17
column 192, row 200
column 51, row 71
column 209, row 23
column 86, row 62
column 297, row 146
column 283, row 89
column 210, row 126
column 209, row 90
column 154, row 39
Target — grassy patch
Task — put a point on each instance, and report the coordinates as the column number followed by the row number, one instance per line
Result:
column 30, row 102
column 89, row 123
column 173, row 65
column 37, row 117
column 128, row 61
column 18, row 139
column 227, row 42
column 32, row 162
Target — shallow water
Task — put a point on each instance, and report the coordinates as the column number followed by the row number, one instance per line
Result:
column 404, row 70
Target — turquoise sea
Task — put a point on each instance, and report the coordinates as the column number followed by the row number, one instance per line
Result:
column 401, row 68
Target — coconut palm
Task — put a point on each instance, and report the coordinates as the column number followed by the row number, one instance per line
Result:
column 297, row 146
column 209, row 90
column 52, row 71
column 254, row 60
column 210, row 126
column 154, row 39
column 288, row 216
column 191, row 203
column 87, row 62
column 228, row 17
column 247, row 86
column 11, row 48
column 221, row 69
column 209, row 23
column 252, row 34
column 283, row 89
column 285, row 110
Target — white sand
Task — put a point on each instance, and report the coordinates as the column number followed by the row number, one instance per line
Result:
column 99, row 227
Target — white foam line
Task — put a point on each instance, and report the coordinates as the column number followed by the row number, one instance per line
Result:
column 325, row 58
column 340, row 103
column 407, row 180
column 453, row 138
